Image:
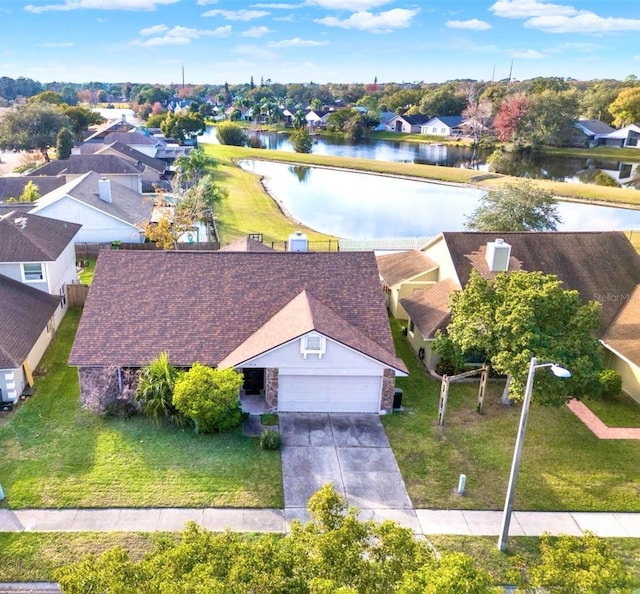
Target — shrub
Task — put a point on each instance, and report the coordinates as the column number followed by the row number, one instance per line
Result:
column 231, row 134
column 301, row 141
column 269, row 419
column 155, row 389
column 270, row 440
column 611, row 383
column 445, row 367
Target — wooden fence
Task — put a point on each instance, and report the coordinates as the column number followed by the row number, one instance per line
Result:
column 90, row 251
column 77, row 294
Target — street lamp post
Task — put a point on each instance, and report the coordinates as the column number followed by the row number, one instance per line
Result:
column 558, row 371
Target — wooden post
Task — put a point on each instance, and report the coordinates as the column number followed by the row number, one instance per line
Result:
column 483, row 384
column 444, row 393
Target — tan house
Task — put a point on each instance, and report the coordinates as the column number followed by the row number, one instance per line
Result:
column 601, row 266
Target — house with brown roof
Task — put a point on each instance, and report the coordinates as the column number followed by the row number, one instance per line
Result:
column 37, row 262
column 601, row 266
column 309, row 331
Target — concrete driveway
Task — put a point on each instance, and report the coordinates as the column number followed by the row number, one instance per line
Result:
column 349, row 450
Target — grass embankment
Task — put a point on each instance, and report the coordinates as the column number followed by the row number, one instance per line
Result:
column 564, row 466
column 58, row 455
column 228, row 154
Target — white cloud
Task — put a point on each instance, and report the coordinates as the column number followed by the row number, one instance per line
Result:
column 523, row 9
column 582, row 23
column 472, row 24
column 583, row 48
column 183, row 36
column 529, row 54
column 236, row 15
column 297, row 42
column 132, row 5
column 256, row 32
column 254, row 52
column 351, row 5
column 154, row 30
column 277, row 5
column 383, row 22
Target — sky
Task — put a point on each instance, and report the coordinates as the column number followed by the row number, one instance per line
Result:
column 338, row 41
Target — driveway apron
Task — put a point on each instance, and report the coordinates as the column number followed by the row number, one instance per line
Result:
column 349, row 450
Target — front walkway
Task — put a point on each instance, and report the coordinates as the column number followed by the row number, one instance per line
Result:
column 427, row 522
column 597, row 427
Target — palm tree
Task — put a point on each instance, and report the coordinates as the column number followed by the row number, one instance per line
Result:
column 299, row 119
column 192, row 167
column 155, row 388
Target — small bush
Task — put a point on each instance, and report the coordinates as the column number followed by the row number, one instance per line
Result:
column 269, row 419
column 445, row 367
column 270, row 440
column 611, row 383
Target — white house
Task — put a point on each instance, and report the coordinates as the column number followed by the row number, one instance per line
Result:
column 627, row 137
column 442, row 126
column 37, row 262
column 107, row 211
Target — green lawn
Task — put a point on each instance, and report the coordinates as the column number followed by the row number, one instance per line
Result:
column 564, row 466
column 621, row 411
column 58, row 455
column 86, row 274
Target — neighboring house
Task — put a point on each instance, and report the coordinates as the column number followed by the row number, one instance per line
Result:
column 37, row 261
column 627, row 137
column 317, row 118
column 139, row 140
column 442, row 126
column 600, row 265
column 308, row 330
column 107, row 211
column 112, row 167
column 406, row 123
column 99, row 133
column 588, row 132
column 13, row 186
column 383, row 118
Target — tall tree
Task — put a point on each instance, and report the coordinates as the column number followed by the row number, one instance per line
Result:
column 32, row 127
column 515, row 206
column 181, row 127
column 626, row 107
column 510, row 120
column 64, row 144
column 301, row 140
column 519, row 315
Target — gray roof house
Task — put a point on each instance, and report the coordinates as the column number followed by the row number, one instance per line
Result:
column 107, row 211
column 442, row 126
column 12, row 186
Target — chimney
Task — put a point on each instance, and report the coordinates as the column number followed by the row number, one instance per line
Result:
column 298, row 242
column 104, row 190
column 497, row 255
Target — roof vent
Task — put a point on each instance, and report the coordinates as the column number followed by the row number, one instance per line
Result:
column 104, row 190
column 298, row 242
column 497, row 255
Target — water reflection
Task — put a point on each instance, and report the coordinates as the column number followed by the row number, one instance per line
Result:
column 365, row 206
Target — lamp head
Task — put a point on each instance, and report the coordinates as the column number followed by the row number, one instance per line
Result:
column 560, row 371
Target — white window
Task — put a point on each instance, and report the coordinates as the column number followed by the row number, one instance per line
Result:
column 33, row 272
column 313, row 344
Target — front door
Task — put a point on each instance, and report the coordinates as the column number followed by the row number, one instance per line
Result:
column 253, row 380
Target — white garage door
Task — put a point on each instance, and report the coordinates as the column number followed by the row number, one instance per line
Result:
column 307, row 393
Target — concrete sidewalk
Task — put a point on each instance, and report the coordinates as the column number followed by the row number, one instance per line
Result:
column 420, row 521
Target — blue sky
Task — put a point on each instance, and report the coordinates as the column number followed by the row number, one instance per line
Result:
column 322, row 41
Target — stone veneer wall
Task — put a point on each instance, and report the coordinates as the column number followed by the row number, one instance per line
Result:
column 271, row 389
column 388, row 389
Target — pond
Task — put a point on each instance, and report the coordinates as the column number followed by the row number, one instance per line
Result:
column 537, row 166
column 364, row 206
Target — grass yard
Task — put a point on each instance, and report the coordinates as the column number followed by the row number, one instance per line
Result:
column 621, row 411
column 564, row 466
column 86, row 274
column 57, row 455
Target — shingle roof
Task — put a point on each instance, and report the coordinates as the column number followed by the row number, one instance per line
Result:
column 449, row 121
column 24, row 314
column 132, row 154
column 131, row 138
column 597, row 264
column 13, row 186
column 415, row 120
column 79, row 164
column 402, row 266
column 126, row 205
column 246, row 244
column 429, row 307
column 623, row 335
column 595, row 126
column 26, row 237
column 201, row 306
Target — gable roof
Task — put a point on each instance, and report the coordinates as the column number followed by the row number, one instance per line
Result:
column 449, row 121
column 429, row 307
column 13, row 186
column 219, row 300
column 24, row 314
column 301, row 315
column 594, row 127
column 596, row 264
column 134, row 137
column 26, row 237
column 414, row 120
column 623, row 132
column 109, row 126
column 403, row 266
column 131, row 154
column 80, row 164
column 246, row 244
column 623, row 335
column 126, row 205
